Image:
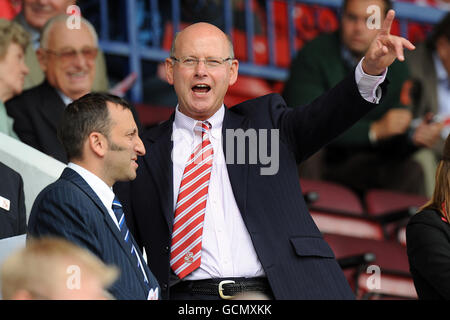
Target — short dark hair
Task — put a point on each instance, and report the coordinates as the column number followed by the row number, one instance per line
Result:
column 82, row 117
column 442, row 29
column 387, row 5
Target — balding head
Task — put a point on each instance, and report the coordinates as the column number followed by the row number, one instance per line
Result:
column 201, row 68
column 202, row 26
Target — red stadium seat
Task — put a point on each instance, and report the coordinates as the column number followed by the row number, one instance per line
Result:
column 246, row 88
column 391, row 261
column 382, row 202
column 151, row 115
column 338, row 210
column 333, row 196
column 347, row 225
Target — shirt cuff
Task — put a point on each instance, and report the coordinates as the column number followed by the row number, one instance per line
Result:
column 369, row 86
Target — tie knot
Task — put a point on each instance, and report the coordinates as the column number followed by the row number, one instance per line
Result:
column 116, row 204
column 202, row 127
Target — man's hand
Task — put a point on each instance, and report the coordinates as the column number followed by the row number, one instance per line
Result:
column 427, row 134
column 385, row 48
column 394, row 122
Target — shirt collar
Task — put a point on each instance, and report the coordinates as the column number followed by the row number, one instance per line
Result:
column 101, row 189
column 64, row 98
column 184, row 122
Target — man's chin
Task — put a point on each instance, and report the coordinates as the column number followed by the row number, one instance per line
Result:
column 129, row 177
column 132, row 175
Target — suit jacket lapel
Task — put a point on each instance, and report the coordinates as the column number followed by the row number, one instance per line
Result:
column 75, row 178
column 238, row 173
column 158, row 160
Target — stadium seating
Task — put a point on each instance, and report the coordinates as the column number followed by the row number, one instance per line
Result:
column 383, row 202
column 246, row 88
column 358, row 239
column 389, row 257
column 337, row 210
column 150, row 115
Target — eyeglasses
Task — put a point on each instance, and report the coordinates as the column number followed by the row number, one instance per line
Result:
column 191, row 62
column 69, row 54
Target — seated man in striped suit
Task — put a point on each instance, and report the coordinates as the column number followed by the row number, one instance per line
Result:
column 102, row 144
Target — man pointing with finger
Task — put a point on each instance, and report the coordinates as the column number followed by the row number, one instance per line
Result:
column 216, row 227
column 377, row 151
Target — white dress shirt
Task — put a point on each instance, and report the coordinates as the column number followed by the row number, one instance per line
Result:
column 64, row 98
column 227, row 249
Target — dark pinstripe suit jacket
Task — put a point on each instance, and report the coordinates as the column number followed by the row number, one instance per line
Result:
column 298, row 263
column 69, row 208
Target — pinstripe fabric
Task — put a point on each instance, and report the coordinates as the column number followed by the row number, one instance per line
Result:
column 69, row 208
column 128, row 237
column 187, row 233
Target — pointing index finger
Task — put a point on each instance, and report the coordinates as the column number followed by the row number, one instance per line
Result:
column 387, row 23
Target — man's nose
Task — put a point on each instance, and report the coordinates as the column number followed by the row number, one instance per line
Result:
column 361, row 24
column 200, row 68
column 139, row 147
column 80, row 59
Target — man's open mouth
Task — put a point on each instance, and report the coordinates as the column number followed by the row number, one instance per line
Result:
column 201, row 88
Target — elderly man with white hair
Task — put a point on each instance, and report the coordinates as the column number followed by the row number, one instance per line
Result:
column 67, row 57
column 33, row 17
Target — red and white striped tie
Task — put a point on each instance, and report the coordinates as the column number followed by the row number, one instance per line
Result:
column 187, row 233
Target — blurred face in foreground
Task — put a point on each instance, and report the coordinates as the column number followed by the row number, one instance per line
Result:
column 38, row 12
column 201, row 70
column 355, row 34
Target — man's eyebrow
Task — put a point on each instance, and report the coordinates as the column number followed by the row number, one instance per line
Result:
column 132, row 131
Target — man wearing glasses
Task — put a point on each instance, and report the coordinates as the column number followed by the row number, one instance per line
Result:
column 33, row 17
column 214, row 227
column 67, row 57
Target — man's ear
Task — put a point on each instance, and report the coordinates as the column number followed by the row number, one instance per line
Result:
column 234, row 69
column 97, row 143
column 169, row 70
column 42, row 58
